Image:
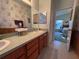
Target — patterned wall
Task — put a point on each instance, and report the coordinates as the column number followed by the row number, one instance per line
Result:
column 11, row 10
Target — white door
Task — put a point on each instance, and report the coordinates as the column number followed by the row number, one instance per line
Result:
column 70, row 26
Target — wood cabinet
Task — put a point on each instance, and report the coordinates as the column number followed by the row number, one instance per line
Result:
column 43, row 41
column 30, row 50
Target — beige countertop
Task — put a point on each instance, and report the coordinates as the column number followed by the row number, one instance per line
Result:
column 17, row 41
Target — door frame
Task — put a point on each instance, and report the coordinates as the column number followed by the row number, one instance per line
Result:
column 52, row 20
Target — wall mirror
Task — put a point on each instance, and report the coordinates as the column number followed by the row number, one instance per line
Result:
column 40, row 19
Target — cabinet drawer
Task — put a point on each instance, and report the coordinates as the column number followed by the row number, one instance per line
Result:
column 34, row 55
column 45, row 41
column 23, row 57
column 40, row 45
column 16, row 54
column 32, row 43
column 11, row 56
column 32, row 50
column 20, row 51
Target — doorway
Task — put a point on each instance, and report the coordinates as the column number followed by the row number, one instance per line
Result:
column 62, row 24
column 67, row 17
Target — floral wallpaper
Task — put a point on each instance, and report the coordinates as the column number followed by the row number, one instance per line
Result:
column 11, row 10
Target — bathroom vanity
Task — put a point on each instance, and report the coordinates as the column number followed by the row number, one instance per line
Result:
column 25, row 47
column 32, row 38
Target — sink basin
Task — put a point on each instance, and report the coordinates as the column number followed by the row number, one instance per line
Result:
column 4, row 44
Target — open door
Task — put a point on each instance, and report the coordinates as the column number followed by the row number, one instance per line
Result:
column 71, row 25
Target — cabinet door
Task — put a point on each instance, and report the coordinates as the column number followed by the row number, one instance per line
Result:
column 46, row 40
column 40, row 44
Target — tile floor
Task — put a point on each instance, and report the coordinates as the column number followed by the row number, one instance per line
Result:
column 57, row 50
